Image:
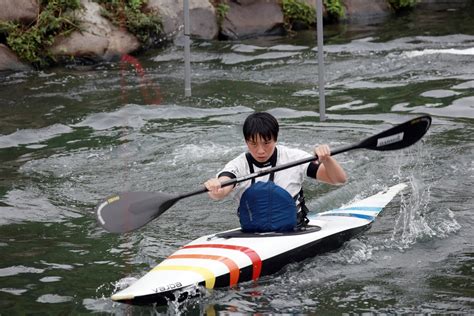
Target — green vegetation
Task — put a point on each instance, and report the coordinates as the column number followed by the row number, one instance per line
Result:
column 31, row 42
column 402, row 4
column 335, row 9
column 299, row 11
column 222, row 8
column 146, row 26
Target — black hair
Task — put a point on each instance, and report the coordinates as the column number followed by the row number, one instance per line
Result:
column 263, row 124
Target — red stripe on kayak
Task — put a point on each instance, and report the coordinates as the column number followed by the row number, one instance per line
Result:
column 254, row 257
column 234, row 270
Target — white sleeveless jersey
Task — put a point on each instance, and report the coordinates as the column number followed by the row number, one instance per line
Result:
column 290, row 179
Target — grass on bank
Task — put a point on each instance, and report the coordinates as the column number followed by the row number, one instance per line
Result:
column 131, row 14
column 31, row 42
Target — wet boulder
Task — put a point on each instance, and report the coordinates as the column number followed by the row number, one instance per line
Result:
column 24, row 11
column 366, row 11
column 98, row 38
column 252, row 18
column 9, row 61
column 203, row 23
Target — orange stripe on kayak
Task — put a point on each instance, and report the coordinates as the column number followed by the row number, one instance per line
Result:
column 254, row 257
column 234, row 270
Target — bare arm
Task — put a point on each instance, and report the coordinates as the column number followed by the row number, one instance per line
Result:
column 216, row 192
column 329, row 170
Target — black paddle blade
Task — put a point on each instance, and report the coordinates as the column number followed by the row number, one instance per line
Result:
column 131, row 210
column 400, row 136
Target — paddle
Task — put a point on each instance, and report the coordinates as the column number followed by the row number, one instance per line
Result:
column 131, row 210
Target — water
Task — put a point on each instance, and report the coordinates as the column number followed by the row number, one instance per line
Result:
column 71, row 136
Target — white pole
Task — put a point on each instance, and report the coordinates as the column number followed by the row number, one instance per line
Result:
column 319, row 27
column 187, row 51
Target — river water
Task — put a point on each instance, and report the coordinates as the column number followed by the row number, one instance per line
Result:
column 71, row 136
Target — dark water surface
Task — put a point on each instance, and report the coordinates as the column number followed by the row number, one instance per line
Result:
column 71, row 136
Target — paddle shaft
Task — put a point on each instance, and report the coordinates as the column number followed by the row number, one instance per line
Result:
column 264, row 172
column 397, row 137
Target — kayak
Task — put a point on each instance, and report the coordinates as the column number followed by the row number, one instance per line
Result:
column 227, row 258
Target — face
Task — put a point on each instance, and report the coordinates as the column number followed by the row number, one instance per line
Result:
column 261, row 149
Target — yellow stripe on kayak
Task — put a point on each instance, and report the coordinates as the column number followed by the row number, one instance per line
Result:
column 207, row 274
column 234, row 270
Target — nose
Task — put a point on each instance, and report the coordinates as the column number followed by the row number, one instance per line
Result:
column 260, row 149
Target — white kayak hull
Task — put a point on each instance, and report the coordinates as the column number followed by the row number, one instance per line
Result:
column 227, row 258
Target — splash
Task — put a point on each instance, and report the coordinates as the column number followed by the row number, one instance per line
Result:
column 419, row 220
column 411, row 223
column 192, row 295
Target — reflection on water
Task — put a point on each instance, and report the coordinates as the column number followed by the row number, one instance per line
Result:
column 150, row 93
column 69, row 137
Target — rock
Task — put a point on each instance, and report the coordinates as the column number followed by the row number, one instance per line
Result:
column 168, row 11
column 98, row 39
column 366, row 11
column 203, row 23
column 9, row 61
column 24, row 11
column 259, row 17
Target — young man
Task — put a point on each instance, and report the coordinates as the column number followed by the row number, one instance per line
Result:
column 261, row 134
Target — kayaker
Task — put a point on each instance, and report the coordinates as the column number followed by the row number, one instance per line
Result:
column 260, row 131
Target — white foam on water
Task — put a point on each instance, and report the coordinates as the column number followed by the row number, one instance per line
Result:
column 355, row 105
column 173, row 56
column 51, row 279
column 433, row 105
column 370, row 45
column 124, row 283
column 20, row 269
column 193, row 292
column 190, row 154
column 13, row 291
column 288, row 48
column 33, row 136
column 363, row 84
column 439, row 93
column 136, row 116
column 306, row 93
column 451, row 51
column 103, row 304
column 234, row 59
column 465, row 85
column 57, row 266
column 356, row 251
column 54, row 299
column 462, row 107
column 286, row 113
column 242, row 48
column 176, row 56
